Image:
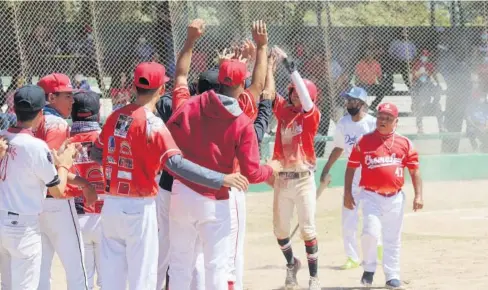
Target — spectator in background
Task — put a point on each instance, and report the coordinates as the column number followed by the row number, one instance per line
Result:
column 477, row 121
column 402, row 51
column 425, row 91
column 120, row 91
column 144, row 50
column 81, row 82
column 368, row 76
column 453, row 64
column 9, row 118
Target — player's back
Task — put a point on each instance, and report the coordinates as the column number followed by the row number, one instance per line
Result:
column 214, row 124
column 21, row 178
column 129, row 166
column 209, row 129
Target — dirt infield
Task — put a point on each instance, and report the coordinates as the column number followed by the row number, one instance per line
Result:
column 444, row 246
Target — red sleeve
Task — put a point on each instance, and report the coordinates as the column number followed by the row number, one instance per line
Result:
column 412, row 160
column 162, row 143
column 248, row 105
column 180, row 95
column 355, row 157
column 278, row 103
column 249, row 160
column 56, row 135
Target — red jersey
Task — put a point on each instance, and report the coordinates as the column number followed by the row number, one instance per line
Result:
column 382, row 159
column 136, row 144
column 54, row 130
column 248, row 104
column 294, row 143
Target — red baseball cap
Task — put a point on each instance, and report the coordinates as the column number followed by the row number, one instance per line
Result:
column 55, row 83
column 233, row 72
column 150, row 75
column 388, row 108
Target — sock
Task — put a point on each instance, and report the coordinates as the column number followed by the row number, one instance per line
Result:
column 312, row 250
column 285, row 245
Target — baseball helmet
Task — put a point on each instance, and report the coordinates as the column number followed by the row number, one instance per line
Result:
column 357, row 93
column 311, row 87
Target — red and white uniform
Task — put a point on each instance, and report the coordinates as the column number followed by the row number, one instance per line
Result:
column 60, row 228
column 247, row 102
column 382, row 159
column 294, row 143
column 295, row 186
column 88, row 216
column 135, row 143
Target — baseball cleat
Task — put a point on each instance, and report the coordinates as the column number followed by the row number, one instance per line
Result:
column 367, row 279
column 314, row 283
column 291, row 275
column 350, row 264
column 393, row 284
column 379, row 250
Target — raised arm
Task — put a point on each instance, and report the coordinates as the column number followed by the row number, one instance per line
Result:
column 268, row 95
column 303, row 94
column 194, row 32
column 260, row 36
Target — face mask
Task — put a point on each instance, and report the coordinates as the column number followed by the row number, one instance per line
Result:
column 423, row 59
column 353, row 111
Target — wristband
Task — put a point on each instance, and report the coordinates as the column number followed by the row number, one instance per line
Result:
column 67, row 169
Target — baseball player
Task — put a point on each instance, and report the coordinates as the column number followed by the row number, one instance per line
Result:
column 348, row 130
column 84, row 132
column 132, row 156
column 382, row 156
column 298, row 119
column 236, row 140
column 59, row 223
column 208, row 80
column 21, row 201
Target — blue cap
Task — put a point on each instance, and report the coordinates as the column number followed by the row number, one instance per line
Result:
column 357, row 93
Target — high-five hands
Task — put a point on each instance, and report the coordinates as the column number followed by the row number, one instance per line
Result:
column 195, row 30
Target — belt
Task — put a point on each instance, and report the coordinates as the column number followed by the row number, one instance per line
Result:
column 49, row 196
column 12, row 213
column 293, row 175
column 385, row 194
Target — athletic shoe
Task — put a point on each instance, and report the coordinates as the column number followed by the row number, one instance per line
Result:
column 394, row 284
column 379, row 249
column 314, row 283
column 350, row 264
column 367, row 279
column 291, row 275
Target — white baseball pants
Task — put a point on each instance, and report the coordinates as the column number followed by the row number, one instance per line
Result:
column 350, row 219
column 382, row 216
column 91, row 231
column 162, row 208
column 163, row 200
column 288, row 193
column 192, row 215
column 61, row 233
column 237, row 203
column 20, row 251
column 129, row 243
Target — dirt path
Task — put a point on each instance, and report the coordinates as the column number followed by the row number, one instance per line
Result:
column 444, row 246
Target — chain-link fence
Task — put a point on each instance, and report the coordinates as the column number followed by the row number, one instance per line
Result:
column 428, row 57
